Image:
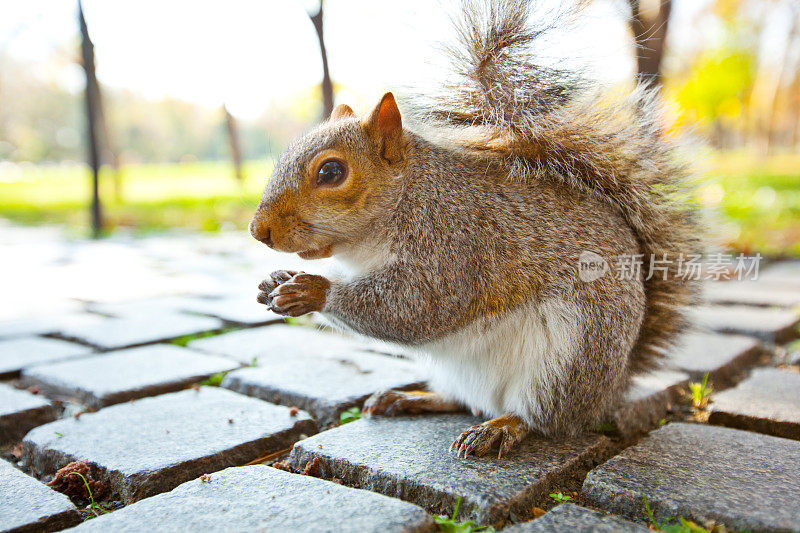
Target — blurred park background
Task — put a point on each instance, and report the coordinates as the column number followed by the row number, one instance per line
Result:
column 191, row 101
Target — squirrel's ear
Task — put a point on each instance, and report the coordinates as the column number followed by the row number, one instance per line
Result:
column 386, row 127
column 341, row 111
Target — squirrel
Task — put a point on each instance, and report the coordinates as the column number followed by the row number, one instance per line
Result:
column 463, row 223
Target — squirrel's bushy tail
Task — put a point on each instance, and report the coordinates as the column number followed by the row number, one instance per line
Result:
column 548, row 122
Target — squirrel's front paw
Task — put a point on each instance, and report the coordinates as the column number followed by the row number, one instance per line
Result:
column 300, row 294
column 277, row 278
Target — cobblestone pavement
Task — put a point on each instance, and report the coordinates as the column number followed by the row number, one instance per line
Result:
column 146, row 365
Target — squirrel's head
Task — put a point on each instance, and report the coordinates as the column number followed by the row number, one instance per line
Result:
column 327, row 187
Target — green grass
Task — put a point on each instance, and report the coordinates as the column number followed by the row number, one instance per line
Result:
column 671, row 525
column 758, row 201
column 184, row 340
column 215, row 380
column 199, row 196
column 349, row 415
column 96, row 509
column 755, row 203
column 700, row 392
column 448, row 524
column 605, row 427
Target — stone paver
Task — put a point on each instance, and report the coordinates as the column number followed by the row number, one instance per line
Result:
column 143, row 307
column 23, row 327
column 786, row 273
column 16, row 354
column 45, row 324
column 772, row 325
column 760, row 293
column 575, row 519
column 153, row 445
column 28, row 505
column 120, row 376
column 741, row 479
column 724, row 357
column 241, row 309
column 649, row 399
column 20, row 411
column 767, row 402
column 409, row 458
column 261, row 498
column 323, row 385
column 111, row 333
column 283, row 340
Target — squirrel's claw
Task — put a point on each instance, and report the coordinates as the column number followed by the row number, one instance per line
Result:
column 386, row 402
column 264, row 298
column 293, row 294
column 476, row 441
column 396, row 402
column 504, row 432
column 267, row 286
column 282, row 276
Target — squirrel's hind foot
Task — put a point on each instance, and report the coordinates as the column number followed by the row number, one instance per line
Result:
column 504, row 432
column 397, row 402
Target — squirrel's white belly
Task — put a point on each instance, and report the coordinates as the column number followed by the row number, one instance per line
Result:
column 508, row 364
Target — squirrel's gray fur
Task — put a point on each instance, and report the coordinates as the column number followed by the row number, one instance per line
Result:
column 611, row 149
column 466, row 247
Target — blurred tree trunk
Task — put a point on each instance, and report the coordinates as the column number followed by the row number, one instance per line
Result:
column 236, row 147
column 786, row 77
column 649, row 22
column 794, row 106
column 110, row 152
column 87, row 54
column 108, row 148
column 327, row 85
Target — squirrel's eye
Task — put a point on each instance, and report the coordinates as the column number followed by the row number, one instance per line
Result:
column 331, row 173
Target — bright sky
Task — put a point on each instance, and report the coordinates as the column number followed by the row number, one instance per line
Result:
column 249, row 54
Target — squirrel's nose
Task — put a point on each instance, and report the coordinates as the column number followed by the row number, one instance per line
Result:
column 261, row 232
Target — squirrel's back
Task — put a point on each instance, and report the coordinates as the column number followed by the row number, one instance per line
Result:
column 540, row 124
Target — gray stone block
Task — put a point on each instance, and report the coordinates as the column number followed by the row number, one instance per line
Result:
column 20, row 411
column 278, row 340
column 771, row 325
column 786, row 273
column 143, row 307
column 758, row 293
column 724, row 357
column 124, row 375
column 111, row 333
column 743, row 480
column 23, row 327
column 28, row 505
column 767, row 402
column 649, row 399
column 45, row 324
column 323, row 385
column 153, row 445
column 409, row 458
column 261, row 498
column 16, row 354
column 242, row 309
column 575, row 519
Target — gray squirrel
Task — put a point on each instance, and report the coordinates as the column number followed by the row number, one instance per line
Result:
column 464, row 226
